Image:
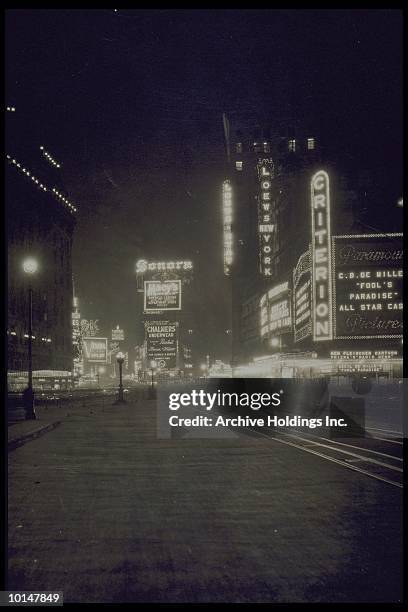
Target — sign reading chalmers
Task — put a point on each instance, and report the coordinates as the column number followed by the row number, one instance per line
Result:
column 321, row 258
column 161, row 342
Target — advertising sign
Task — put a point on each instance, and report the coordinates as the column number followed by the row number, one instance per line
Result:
column 368, row 274
column 118, row 334
column 95, row 350
column 276, row 310
column 265, row 223
column 162, row 295
column 161, row 343
column 321, row 257
column 227, row 221
column 302, row 298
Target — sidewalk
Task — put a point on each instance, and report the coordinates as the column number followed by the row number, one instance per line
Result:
column 105, row 511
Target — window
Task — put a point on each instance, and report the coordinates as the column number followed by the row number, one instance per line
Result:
column 266, row 147
column 310, row 144
column 238, row 165
column 292, row 145
column 238, row 147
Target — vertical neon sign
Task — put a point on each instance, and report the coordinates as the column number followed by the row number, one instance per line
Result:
column 265, row 226
column 227, row 220
column 321, row 257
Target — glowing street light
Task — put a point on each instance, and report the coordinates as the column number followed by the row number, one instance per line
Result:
column 153, row 365
column 30, row 267
column 120, row 358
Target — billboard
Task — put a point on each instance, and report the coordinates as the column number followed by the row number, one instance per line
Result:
column 161, row 343
column 162, row 295
column 276, row 310
column 368, row 275
column 95, row 350
column 118, row 334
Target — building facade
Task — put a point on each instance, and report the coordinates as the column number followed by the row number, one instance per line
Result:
column 290, row 208
column 40, row 222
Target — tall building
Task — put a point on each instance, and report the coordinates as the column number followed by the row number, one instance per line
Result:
column 40, row 221
column 284, row 198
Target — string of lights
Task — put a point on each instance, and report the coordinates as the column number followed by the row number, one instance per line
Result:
column 35, row 180
column 50, row 158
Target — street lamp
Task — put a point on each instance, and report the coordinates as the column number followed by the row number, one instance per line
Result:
column 153, row 364
column 30, row 267
column 120, row 358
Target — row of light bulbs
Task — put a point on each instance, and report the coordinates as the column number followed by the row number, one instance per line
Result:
column 70, row 206
column 50, row 158
column 11, row 109
column 13, row 333
column 61, row 197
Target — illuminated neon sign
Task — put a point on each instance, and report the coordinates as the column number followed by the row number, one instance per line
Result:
column 227, row 220
column 265, row 225
column 321, row 257
column 142, row 266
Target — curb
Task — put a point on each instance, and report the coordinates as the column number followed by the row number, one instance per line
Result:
column 32, row 435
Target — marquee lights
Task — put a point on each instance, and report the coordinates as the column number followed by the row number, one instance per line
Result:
column 227, row 220
column 265, row 227
column 50, row 158
column 321, row 257
column 35, row 180
column 142, row 265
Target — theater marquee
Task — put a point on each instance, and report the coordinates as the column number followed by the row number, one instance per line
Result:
column 368, row 275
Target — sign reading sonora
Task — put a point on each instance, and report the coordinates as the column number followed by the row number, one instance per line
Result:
column 321, row 258
column 142, row 266
column 368, row 276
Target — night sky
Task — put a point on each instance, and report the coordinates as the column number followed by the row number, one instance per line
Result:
column 131, row 102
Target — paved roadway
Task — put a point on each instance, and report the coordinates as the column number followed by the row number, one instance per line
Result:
column 103, row 510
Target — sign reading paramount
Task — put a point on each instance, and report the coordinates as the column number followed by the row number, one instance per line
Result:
column 161, row 342
column 368, row 273
column 162, row 295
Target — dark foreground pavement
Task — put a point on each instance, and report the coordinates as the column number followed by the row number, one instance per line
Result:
column 104, row 511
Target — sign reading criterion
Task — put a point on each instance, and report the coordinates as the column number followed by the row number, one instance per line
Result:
column 162, row 295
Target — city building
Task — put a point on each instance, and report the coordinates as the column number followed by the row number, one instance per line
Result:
column 288, row 206
column 40, row 221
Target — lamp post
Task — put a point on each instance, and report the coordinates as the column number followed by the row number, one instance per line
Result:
column 153, row 364
column 120, row 358
column 30, row 267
